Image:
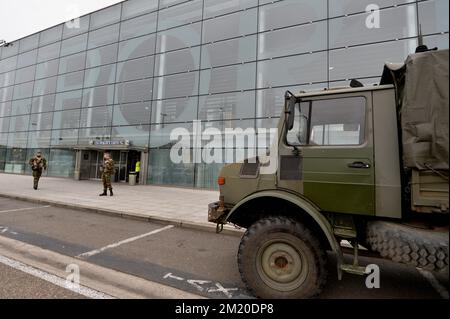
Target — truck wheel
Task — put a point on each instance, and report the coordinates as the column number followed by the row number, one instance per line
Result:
column 280, row 258
column 408, row 245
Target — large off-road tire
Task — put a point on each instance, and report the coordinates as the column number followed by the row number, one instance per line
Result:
column 280, row 258
column 409, row 245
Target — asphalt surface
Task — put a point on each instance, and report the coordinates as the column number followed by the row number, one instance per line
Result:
column 195, row 261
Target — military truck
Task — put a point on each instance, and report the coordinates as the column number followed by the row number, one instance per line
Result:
column 363, row 166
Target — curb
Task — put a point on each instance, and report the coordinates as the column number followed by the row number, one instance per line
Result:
column 105, row 280
column 227, row 230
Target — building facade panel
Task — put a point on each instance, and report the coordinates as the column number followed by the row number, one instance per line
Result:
column 125, row 77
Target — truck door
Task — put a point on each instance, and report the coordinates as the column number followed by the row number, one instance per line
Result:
column 337, row 153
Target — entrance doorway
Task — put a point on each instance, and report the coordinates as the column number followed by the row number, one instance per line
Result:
column 124, row 163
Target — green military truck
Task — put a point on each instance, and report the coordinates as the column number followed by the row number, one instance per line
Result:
column 365, row 166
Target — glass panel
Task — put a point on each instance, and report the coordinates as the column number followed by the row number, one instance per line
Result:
column 138, row 26
column 270, row 102
column 178, row 38
column 103, row 55
column 437, row 41
column 179, row 85
column 397, row 23
column 2, row 154
column 301, row 39
column 174, row 110
column 29, row 43
column 137, row 7
column 24, row 90
column 97, row 96
column 70, row 81
column 219, row 7
column 227, row 106
column 64, row 137
column 50, row 35
column 133, row 91
column 26, row 59
column 66, row 119
column 185, row 13
column 9, row 64
column 7, row 78
column 97, row 133
column 433, row 16
column 68, row 100
column 21, row 107
column 308, row 68
column 100, row 76
column 25, row 74
column 160, row 134
column 137, row 47
column 166, row 3
column 286, row 13
column 137, row 135
column 39, row 139
column 135, row 69
column 61, row 163
column 41, row 121
column 43, row 103
column 105, row 16
column 19, row 123
column 229, row 52
column 71, row 63
column 5, row 109
column 4, row 127
column 45, row 86
column 342, row 7
column 74, row 44
column 48, row 52
column 178, row 61
column 230, row 26
column 16, row 158
column 367, row 61
column 103, row 36
column 6, row 52
column 161, row 170
column 76, row 26
column 226, row 79
column 96, row 116
column 6, row 94
column 47, row 69
column 132, row 113
column 206, row 175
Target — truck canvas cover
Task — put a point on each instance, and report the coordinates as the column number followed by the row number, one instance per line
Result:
column 422, row 89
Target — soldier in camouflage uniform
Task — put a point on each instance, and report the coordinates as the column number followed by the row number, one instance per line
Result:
column 107, row 171
column 38, row 163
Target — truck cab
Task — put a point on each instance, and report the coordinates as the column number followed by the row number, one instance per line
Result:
column 340, row 174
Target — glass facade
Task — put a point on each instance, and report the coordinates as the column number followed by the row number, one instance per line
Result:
column 140, row 68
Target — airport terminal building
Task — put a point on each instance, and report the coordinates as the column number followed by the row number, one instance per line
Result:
column 122, row 78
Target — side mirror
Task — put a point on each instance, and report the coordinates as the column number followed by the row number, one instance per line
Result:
column 290, row 102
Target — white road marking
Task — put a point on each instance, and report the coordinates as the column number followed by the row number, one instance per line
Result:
column 125, row 241
column 434, row 283
column 55, row 280
column 20, row 209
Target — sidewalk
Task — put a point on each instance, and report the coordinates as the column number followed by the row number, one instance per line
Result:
column 179, row 206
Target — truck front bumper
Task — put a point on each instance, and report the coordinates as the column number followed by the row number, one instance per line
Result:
column 217, row 213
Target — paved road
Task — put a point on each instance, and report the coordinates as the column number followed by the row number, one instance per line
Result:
column 199, row 262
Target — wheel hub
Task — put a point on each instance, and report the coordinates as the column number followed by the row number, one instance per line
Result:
column 282, row 265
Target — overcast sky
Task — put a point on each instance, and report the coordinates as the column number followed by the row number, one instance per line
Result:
column 19, row 18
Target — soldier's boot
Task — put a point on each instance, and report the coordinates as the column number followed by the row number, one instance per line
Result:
column 110, row 192
column 104, row 193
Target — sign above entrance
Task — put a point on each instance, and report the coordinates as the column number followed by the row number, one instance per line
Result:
column 112, row 143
